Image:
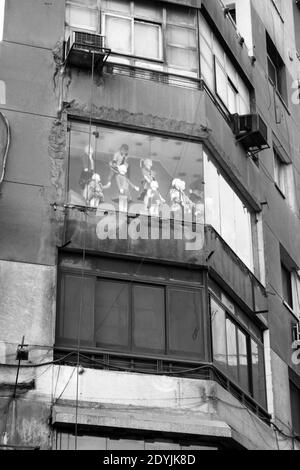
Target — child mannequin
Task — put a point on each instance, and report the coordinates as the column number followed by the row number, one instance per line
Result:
column 88, row 167
column 93, row 192
column 148, row 177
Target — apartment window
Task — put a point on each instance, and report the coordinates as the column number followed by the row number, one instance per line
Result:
column 232, row 11
column 295, row 407
column 142, row 34
column 220, row 74
column 280, row 174
column 276, row 68
column 238, row 349
column 226, row 212
column 157, row 175
column 2, row 12
column 133, row 29
column 286, row 278
column 138, row 317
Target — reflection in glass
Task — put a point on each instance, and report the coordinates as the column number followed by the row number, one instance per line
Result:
column 112, row 314
column 232, row 357
column 225, row 211
column 243, row 361
column 149, row 318
column 184, row 322
column 157, row 176
column 218, row 335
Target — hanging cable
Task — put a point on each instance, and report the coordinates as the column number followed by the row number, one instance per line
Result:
column 6, row 148
column 83, row 259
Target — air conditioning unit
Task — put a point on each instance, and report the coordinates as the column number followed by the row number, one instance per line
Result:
column 85, row 49
column 250, row 130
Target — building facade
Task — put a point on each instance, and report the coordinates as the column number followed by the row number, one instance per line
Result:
column 150, row 232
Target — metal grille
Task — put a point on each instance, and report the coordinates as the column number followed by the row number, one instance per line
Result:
column 84, row 40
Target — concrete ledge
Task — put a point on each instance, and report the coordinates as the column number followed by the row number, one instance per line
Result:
column 170, row 421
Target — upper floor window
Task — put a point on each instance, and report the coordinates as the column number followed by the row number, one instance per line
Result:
column 220, row 74
column 140, row 33
column 286, row 279
column 290, row 283
column 238, row 349
column 276, row 68
column 156, row 175
column 280, row 175
column 2, row 12
column 226, row 212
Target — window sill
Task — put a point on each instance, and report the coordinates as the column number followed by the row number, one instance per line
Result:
column 280, row 191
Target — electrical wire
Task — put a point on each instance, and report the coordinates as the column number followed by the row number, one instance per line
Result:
column 2, row 174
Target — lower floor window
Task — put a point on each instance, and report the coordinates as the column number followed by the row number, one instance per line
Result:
column 295, row 406
column 66, row 441
column 238, row 353
column 115, row 314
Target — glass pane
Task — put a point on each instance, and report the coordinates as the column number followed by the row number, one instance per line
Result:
column 206, row 32
column 146, row 10
column 112, row 314
column 219, row 53
column 183, row 58
column 125, row 444
column 212, row 195
column 258, row 373
column 221, row 83
column 231, row 72
column 272, row 72
column 147, row 40
column 82, row 18
column 244, row 96
column 76, row 310
column 118, row 34
column 184, row 323
column 207, row 74
column 117, row 5
column 286, row 285
column 126, row 163
column 207, row 53
column 232, row 359
column 243, row 361
column 149, row 318
column 244, row 107
column 160, row 445
column 89, row 3
column 218, row 334
column 181, row 15
column 227, row 213
column 295, row 407
column 232, row 100
column 91, row 443
column 243, row 232
column 181, row 36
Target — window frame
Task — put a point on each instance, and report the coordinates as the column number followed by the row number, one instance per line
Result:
column 211, row 43
column 131, row 349
column 239, row 326
column 289, row 301
column 280, row 176
column 207, row 158
column 273, row 57
column 163, row 44
column 133, row 20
